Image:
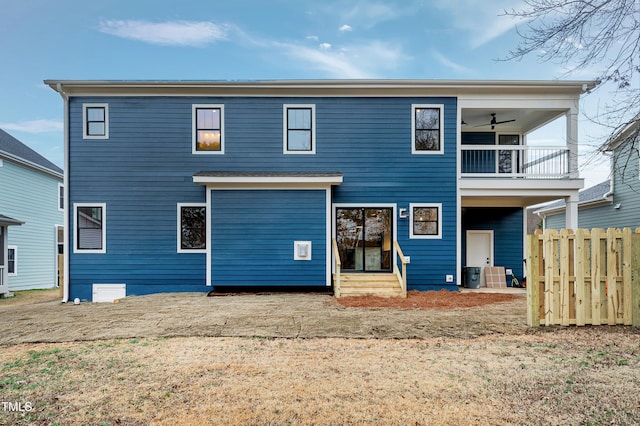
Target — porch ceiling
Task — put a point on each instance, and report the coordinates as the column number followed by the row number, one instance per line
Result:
column 526, row 119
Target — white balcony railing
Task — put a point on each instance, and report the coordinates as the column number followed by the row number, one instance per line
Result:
column 503, row 161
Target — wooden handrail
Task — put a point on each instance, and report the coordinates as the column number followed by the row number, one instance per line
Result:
column 338, row 263
column 402, row 276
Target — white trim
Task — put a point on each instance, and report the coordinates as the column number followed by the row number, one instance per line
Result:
column 425, row 237
column 208, row 244
column 60, row 187
column 56, row 269
column 85, row 134
column 194, row 133
column 413, row 128
column 458, row 195
column 75, row 228
column 179, row 228
column 15, row 261
column 285, row 128
column 220, row 182
column 328, row 236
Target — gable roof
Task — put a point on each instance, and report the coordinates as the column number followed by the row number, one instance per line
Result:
column 630, row 131
column 13, row 149
column 593, row 194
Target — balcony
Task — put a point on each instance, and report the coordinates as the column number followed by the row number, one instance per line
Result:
column 514, row 161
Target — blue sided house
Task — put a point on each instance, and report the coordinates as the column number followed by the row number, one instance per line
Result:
column 326, row 184
column 31, row 218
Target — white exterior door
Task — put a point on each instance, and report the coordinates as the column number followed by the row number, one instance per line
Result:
column 480, row 251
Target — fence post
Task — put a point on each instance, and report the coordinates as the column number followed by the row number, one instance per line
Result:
column 565, row 259
column 533, row 281
column 635, row 278
column 579, row 284
column 612, row 283
column 596, row 314
column 626, row 275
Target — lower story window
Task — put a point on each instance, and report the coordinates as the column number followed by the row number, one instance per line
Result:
column 12, row 260
column 90, row 228
column 192, row 226
column 426, row 220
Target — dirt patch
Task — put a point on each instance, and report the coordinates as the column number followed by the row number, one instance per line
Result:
column 443, row 300
column 31, row 297
column 165, row 359
column 291, row 315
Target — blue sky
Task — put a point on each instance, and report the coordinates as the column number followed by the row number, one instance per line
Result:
column 252, row 40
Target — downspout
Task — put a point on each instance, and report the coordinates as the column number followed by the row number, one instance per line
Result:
column 67, row 232
column 612, row 179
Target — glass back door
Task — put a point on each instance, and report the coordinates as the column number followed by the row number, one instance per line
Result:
column 364, row 238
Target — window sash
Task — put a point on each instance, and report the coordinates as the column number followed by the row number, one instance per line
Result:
column 96, row 121
column 299, row 129
column 193, row 226
column 208, row 129
column 427, row 128
column 90, row 229
column 11, row 260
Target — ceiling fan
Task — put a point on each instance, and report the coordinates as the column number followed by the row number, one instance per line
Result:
column 494, row 122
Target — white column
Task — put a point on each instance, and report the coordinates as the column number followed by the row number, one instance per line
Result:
column 572, row 141
column 571, row 216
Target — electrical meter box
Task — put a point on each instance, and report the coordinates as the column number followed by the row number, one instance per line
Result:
column 302, row 250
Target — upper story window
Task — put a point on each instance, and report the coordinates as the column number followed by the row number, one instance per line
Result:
column 208, row 129
column 95, row 121
column 427, row 134
column 90, row 224
column 192, row 226
column 426, row 220
column 299, row 131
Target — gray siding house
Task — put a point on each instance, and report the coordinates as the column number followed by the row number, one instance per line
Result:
column 31, row 204
column 614, row 203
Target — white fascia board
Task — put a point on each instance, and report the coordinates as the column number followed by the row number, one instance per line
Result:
column 317, row 87
column 29, row 164
column 321, row 181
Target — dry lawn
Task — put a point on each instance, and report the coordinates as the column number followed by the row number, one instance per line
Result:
column 557, row 376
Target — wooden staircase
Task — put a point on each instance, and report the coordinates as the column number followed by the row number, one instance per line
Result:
column 374, row 284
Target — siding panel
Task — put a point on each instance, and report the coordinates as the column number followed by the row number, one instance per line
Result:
column 253, row 234
column 145, row 168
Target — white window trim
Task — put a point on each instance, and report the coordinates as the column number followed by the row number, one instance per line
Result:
column 75, row 228
column 285, row 129
column 413, row 128
column 179, row 228
column 15, row 260
column 60, row 195
column 194, row 133
column 425, row 237
column 85, row 134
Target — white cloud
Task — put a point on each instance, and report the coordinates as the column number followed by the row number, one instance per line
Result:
column 369, row 14
column 34, row 126
column 312, row 38
column 344, row 28
column 171, row 33
column 443, row 60
column 325, row 46
column 483, row 21
column 353, row 61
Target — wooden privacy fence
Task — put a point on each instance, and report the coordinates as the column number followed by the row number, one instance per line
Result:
column 583, row 277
